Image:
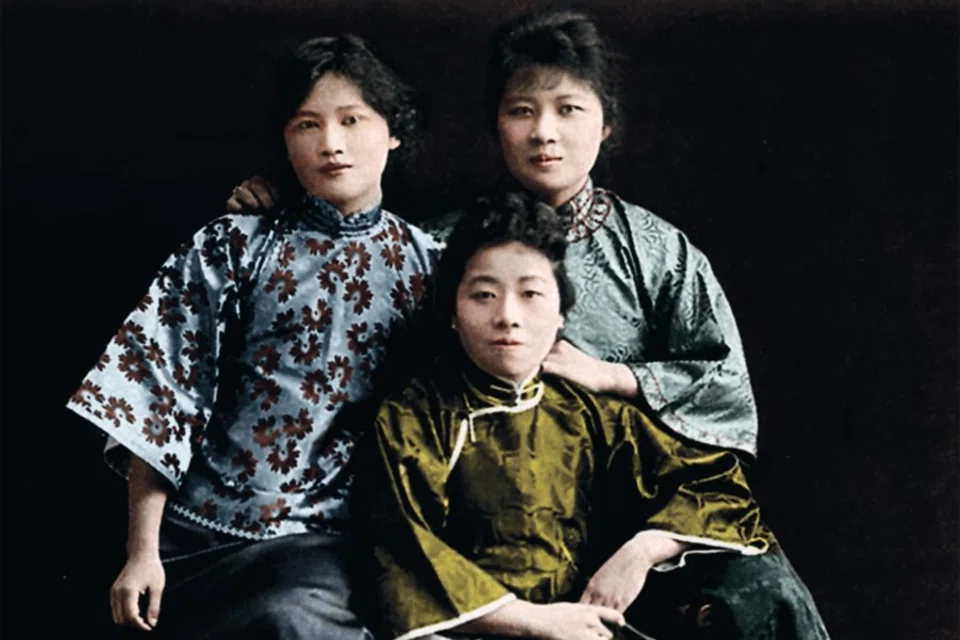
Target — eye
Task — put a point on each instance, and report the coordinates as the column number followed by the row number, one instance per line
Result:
column 519, row 111
column 532, row 293
column 567, row 109
column 481, row 295
column 349, row 120
column 305, row 124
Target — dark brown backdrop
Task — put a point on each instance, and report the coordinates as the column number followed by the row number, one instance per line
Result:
column 808, row 147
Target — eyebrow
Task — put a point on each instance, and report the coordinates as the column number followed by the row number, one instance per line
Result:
column 488, row 279
column 520, row 97
column 346, row 107
column 482, row 278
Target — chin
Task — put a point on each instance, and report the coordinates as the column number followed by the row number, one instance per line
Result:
column 516, row 375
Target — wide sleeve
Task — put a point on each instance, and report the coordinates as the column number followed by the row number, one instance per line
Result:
column 661, row 482
column 694, row 373
column 416, row 583
column 153, row 390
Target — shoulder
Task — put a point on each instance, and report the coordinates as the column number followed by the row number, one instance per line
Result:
column 639, row 219
column 569, row 396
column 232, row 230
column 413, row 413
column 236, row 223
column 417, row 394
column 657, row 236
column 408, row 233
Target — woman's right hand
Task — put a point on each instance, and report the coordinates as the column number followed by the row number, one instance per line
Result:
column 574, row 621
column 143, row 574
column 253, row 194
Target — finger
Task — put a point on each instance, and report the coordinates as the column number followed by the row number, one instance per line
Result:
column 130, row 610
column 245, row 197
column 153, row 606
column 114, row 607
column 261, row 193
column 601, row 630
column 274, row 192
column 610, row 615
column 233, row 205
column 617, row 605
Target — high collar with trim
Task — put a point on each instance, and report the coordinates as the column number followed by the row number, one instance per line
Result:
column 327, row 218
column 487, row 390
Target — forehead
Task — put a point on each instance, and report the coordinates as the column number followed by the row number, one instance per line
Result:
column 535, row 79
column 333, row 90
column 509, row 261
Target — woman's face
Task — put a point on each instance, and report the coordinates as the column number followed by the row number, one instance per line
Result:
column 508, row 310
column 338, row 145
column 550, row 132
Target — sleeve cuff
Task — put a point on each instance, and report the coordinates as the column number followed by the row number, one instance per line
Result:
column 701, row 546
column 459, row 620
column 120, row 445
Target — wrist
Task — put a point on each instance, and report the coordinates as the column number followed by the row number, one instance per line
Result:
column 642, row 552
column 656, row 547
column 529, row 624
column 622, row 381
column 143, row 550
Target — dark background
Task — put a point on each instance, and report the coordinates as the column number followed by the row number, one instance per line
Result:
column 808, row 147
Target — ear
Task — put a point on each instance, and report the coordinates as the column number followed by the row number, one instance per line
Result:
column 607, row 130
column 394, row 142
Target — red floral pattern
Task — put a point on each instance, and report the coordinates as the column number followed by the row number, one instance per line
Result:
column 248, row 342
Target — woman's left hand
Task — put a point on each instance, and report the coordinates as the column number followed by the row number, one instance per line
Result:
column 621, row 578
column 567, row 361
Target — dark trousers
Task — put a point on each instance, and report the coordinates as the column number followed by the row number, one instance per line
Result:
column 290, row 588
column 724, row 596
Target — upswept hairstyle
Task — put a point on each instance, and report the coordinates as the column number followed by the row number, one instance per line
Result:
column 354, row 58
column 495, row 221
column 552, row 39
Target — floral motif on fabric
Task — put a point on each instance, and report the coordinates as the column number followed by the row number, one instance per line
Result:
column 228, row 375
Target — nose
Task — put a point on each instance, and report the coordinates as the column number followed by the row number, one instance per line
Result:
column 508, row 312
column 331, row 141
column 545, row 127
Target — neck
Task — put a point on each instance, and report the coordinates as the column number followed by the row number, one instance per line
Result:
column 520, row 382
column 353, row 207
column 559, row 198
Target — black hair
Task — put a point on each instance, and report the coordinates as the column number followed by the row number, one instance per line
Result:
column 425, row 346
column 354, row 58
column 547, row 40
column 494, row 221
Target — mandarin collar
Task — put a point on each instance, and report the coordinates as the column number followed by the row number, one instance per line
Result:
column 327, row 218
column 577, row 209
column 489, row 390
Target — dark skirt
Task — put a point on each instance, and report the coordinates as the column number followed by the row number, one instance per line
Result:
column 286, row 588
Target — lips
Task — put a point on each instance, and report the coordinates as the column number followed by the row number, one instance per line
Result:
column 544, row 159
column 334, row 167
column 506, row 342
